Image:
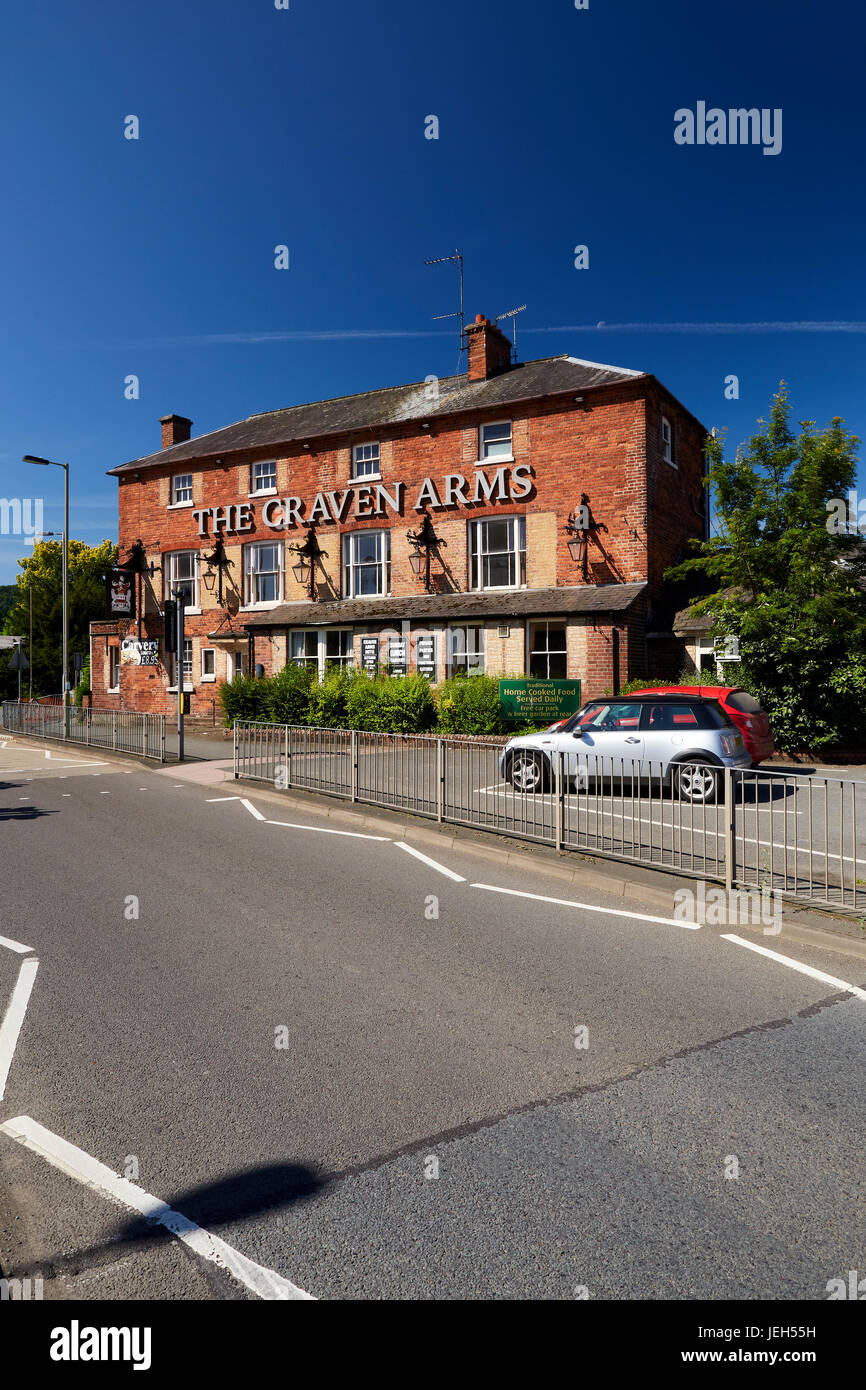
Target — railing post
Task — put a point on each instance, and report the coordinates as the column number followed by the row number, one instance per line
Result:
column 730, row 828
column 440, row 780
column 235, row 732
column 353, row 751
column 557, row 782
column 289, row 748
column 114, row 730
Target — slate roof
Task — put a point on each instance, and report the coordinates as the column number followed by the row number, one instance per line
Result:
column 547, row 376
column 583, row 598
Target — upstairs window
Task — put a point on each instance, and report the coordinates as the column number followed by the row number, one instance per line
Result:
column 498, row 553
column 264, row 476
column 366, row 563
column 668, row 440
column 365, row 461
column 180, row 576
column 181, row 489
column 494, row 441
column 263, row 572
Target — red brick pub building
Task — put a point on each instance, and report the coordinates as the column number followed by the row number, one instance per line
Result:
column 291, row 533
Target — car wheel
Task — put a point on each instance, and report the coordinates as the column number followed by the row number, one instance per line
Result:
column 528, row 772
column 697, row 783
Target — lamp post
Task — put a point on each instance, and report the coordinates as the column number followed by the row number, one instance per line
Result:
column 50, row 463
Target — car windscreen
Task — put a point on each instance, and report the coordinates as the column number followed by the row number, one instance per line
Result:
column 605, row 715
column 745, row 703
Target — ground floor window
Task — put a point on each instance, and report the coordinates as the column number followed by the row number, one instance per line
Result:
column 235, row 664
column 548, row 660
column 321, row 648
column 187, row 664
column 208, row 664
column 114, row 668
column 465, row 651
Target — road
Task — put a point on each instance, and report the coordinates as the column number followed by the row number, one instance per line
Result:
column 354, row 1063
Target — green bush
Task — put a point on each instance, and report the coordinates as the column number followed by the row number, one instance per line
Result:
column 327, row 703
column 245, row 697
column 470, row 705
column 287, row 695
column 390, row 704
column 83, row 686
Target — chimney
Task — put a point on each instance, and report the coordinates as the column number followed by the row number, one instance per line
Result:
column 489, row 349
column 176, row 429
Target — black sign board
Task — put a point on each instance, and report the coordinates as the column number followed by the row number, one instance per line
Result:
column 370, row 655
column 120, row 594
column 397, row 656
column 425, row 656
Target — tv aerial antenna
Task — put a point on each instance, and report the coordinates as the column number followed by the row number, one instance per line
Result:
column 512, row 314
column 457, row 258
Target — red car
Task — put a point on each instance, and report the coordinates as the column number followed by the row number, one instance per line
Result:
column 741, row 707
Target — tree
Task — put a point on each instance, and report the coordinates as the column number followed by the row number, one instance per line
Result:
column 791, row 583
column 41, row 575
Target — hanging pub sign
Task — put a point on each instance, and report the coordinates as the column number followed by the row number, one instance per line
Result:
column 370, row 655
column 136, row 652
column 397, row 656
column 425, row 656
column 119, row 594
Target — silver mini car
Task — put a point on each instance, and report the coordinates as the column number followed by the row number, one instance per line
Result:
column 682, row 740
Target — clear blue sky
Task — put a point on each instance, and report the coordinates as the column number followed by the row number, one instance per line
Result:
column 306, row 127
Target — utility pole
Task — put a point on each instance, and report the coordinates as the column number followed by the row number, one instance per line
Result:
column 30, row 643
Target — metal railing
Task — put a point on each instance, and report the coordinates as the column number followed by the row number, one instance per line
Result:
column 798, row 835
column 122, row 731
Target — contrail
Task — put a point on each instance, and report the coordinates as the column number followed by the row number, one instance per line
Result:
column 771, row 326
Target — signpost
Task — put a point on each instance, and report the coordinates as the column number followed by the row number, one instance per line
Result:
column 18, row 662
column 538, row 702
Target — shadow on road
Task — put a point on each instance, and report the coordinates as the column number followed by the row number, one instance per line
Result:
column 23, row 812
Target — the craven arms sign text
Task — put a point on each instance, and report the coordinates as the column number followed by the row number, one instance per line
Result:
column 280, row 513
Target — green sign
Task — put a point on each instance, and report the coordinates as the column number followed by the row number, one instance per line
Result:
column 539, row 702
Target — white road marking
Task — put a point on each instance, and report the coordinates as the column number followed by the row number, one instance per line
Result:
column 212, row 799
column 66, row 793
column 431, row 863
column 590, row 907
column 323, row 830
column 266, row 1283
column 796, row 965
column 14, row 945
column 105, row 793
column 251, row 808
column 14, row 1017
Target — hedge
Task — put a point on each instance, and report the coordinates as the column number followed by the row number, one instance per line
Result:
column 470, row 705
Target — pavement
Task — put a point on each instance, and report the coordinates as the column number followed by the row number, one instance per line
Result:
column 351, row 1062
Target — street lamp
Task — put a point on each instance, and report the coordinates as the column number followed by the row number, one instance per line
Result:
column 51, row 463
column 577, row 529
column 305, row 569
column 424, row 543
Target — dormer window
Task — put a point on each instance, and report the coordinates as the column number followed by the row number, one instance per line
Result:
column 365, row 461
column 263, row 477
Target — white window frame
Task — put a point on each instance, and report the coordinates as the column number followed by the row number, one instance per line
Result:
column 350, row 566
column 113, row 686
column 187, row 668
column 256, row 488
column 479, row 650
column 169, row 559
column 235, row 664
column 375, row 458
column 176, row 480
column 668, row 442
column 208, row 677
column 477, row 555
column 320, row 659
column 484, row 453
column 251, row 574
column 547, row 651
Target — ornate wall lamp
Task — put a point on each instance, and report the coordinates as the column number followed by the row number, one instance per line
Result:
column 218, row 563
column 424, row 543
column 578, row 527
column 308, row 553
